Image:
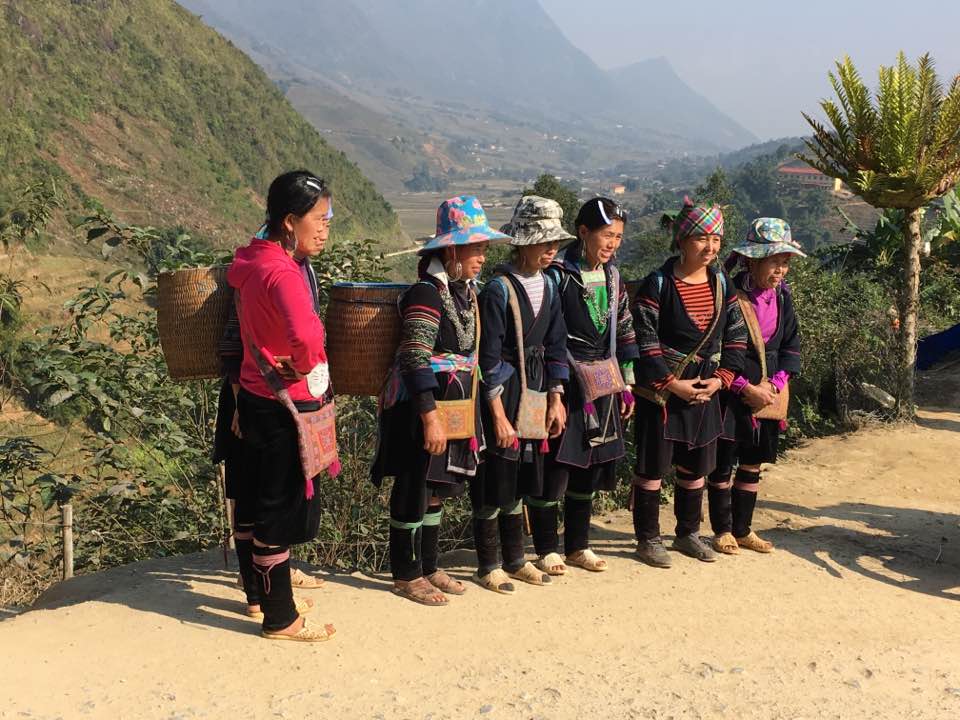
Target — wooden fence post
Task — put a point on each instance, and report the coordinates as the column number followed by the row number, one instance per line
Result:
column 66, row 512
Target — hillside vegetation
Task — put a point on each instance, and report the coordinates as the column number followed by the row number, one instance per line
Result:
column 140, row 105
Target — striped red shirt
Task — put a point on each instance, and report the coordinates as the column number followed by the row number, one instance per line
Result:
column 698, row 301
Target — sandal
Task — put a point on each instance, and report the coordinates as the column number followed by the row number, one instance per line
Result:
column 300, row 579
column 446, row 584
column 725, row 543
column 420, row 591
column 529, row 574
column 496, row 580
column 755, row 542
column 588, row 560
column 302, row 606
column 304, row 634
column 549, row 564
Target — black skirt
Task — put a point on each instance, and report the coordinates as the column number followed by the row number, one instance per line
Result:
column 656, row 453
column 504, row 481
column 282, row 515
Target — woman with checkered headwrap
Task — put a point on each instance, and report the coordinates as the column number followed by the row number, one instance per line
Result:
column 692, row 338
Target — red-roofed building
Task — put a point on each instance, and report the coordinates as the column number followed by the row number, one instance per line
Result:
column 799, row 173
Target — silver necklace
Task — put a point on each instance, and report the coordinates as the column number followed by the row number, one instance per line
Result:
column 464, row 322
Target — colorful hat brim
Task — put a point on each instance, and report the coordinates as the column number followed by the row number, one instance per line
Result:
column 460, row 238
column 757, row 251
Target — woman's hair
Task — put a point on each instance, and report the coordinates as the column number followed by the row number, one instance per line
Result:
column 293, row 193
column 599, row 212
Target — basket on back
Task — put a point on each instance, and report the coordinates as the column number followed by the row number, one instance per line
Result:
column 363, row 331
column 193, row 304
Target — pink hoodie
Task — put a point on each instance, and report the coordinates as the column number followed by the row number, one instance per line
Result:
column 276, row 314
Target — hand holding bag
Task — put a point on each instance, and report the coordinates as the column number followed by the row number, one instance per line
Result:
column 316, row 430
column 781, row 408
column 531, row 422
column 599, row 378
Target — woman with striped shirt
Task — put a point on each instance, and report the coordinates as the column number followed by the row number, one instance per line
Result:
column 692, row 340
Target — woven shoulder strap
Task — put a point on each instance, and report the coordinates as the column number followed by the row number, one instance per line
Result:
column 518, row 326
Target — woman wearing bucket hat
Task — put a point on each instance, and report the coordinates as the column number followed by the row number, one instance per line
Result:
column 692, row 339
column 430, row 437
column 601, row 350
column 759, row 395
column 524, row 365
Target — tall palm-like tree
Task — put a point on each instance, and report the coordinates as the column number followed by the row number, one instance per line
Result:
column 897, row 149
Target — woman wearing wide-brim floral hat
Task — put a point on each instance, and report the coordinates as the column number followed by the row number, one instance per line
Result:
column 759, row 395
column 428, row 441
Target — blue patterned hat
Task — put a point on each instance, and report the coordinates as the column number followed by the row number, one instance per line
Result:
column 462, row 221
column 766, row 237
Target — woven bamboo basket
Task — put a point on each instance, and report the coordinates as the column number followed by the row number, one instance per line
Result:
column 193, row 304
column 363, row 331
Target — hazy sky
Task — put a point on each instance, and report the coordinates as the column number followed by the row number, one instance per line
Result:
column 763, row 61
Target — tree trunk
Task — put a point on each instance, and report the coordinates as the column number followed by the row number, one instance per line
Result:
column 909, row 307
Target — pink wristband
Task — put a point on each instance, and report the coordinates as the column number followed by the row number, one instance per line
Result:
column 739, row 384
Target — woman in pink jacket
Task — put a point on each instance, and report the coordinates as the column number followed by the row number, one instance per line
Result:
column 277, row 323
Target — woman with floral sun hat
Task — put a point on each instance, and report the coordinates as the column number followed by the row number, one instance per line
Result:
column 523, row 357
column 430, row 437
column 759, row 395
column 692, row 339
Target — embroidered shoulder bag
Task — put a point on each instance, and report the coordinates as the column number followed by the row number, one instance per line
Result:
column 780, row 409
column 316, row 430
column 599, row 378
column 459, row 417
column 531, row 422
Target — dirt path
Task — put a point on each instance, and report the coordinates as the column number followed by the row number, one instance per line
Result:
column 857, row 615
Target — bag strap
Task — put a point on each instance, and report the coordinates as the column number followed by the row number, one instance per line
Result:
column 753, row 327
column 518, row 326
column 717, row 306
column 614, row 310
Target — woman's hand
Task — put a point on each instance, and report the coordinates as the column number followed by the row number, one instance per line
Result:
column 286, row 370
column 506, row 434
column 627, row 409
column 434, row 434
column 688, row 390
column 556, row 415
column 757, row 397
column 235, row 424
column 709, row 387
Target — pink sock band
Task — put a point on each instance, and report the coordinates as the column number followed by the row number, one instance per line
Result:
column 647, row 483
column 725, row 485
column 747, row 487
column 263, row 564
column 691, row 484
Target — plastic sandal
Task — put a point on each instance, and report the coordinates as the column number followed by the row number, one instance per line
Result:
column 529, row 574
column 588, row 560
column 496, row 580
column 305, row 634
column 302, row 606
column 301, row 580
column 419, row 591
column 446, row 584
column 725, row 543
column 755, row 542
column 549, row 561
